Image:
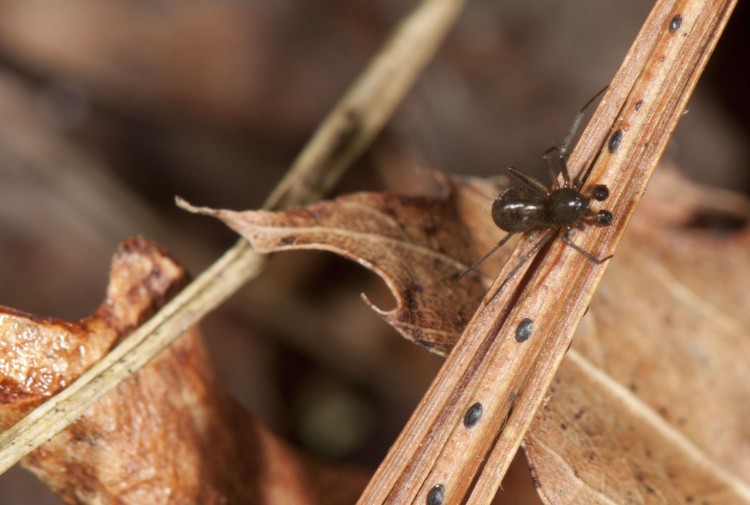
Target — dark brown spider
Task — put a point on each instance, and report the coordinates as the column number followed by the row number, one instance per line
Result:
column 533, row 206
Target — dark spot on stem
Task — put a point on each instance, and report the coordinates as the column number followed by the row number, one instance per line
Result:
column 614, row 142
column 523, row 331
column 675, row 23
column 473, row 415
column 436, row 496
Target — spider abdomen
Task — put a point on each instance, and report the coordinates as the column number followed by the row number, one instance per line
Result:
column 519, row 209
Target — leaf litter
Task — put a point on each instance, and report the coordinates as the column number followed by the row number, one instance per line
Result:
column 651, row 405
column 418, row 245
column 169, row 433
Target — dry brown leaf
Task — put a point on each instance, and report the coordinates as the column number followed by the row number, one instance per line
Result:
column 653, row 402
column 418, row 246
column 659, row 368
column 169, row 434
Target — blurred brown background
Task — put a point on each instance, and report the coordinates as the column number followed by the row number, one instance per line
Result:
column 109, row 109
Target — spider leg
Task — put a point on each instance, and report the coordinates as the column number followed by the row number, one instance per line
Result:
column 571, row 133
column 565, row 147
column 576, row 123
column 566, row 239
column 564, row 169
column 486, row 255
column 551, row 169
column 541, row 243
column 530, row 181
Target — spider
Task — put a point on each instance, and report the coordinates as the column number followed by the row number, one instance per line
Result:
column 520, row 209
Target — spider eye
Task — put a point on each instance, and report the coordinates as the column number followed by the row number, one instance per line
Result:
column 603, row 218
column 600, row 192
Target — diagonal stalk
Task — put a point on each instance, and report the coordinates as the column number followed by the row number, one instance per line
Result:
column 497, row 364
column 343, row 135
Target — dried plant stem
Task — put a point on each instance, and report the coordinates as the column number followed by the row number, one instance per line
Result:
column 653, row 100
column 345, row 133
column 509, row 376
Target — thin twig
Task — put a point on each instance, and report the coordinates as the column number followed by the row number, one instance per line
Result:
column 438, row 452
column 345, row 133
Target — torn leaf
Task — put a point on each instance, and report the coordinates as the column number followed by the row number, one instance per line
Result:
column 418, row 245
